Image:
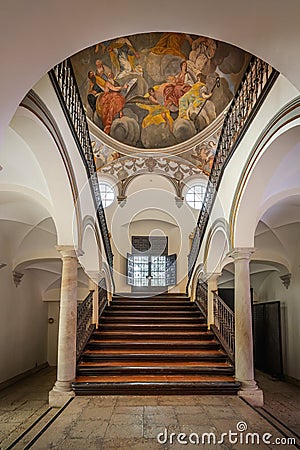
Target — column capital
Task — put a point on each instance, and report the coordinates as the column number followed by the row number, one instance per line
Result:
column 69, row 251
column 213, row 276
column 241, row 253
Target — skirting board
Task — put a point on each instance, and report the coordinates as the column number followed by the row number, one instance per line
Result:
column 23, row 375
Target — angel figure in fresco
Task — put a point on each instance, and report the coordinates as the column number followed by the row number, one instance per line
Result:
column 204, row 157
column 111, row 102
column 157, row 113
column 194, row 98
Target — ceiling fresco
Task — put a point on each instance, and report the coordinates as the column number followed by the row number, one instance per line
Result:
column 156, row 91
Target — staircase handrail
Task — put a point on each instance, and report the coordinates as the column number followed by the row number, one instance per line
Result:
column 64, row 82
column 85, row 324
column 256, row 83
column 224, row 325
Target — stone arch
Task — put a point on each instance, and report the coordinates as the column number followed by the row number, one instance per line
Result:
column 198, row 274
column 41, row 133
column 91, row 260
column 217, row 246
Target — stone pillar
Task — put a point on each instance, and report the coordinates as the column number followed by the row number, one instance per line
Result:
column 212, row 286
column 66, row 361
column 244, row 361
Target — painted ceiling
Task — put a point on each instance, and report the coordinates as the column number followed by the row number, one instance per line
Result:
column 158, row 93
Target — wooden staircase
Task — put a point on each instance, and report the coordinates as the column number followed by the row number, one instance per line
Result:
column 157, row 345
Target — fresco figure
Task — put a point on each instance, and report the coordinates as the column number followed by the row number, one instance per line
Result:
column 93, row 91
column 194, row 98
column 111, row 102
column 205, row 156
column 181, row 83
column 123, row 56
column 202, row 54
column 157, row 113
column 100, row 71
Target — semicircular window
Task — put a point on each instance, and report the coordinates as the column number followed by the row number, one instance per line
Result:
column 195, row 196
column 107, row 193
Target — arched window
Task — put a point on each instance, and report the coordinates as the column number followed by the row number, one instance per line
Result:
column 194, row 195
column 107, row 193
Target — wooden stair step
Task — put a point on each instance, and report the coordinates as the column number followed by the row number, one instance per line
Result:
column 152, row 313
column 170, row 345
column 157, row 335
column 164, row 385
column 151, row 355
column 140, row 364
column 154, row 378
column 151, row 367
column 164, row 307
column 165, row 352
column 154, row 320
column 153, row 326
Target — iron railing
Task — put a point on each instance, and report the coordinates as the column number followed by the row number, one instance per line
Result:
column 255, row 85
column 65, row 85
column 85, row 324
column 102, row 300
column 224, row 326
column 202, row 296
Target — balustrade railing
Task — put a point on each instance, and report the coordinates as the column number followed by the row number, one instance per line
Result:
column 102, row 300
column 64, row 82
column 202, row 297
column 224, row 324
column 255, row 85
column 85, row 324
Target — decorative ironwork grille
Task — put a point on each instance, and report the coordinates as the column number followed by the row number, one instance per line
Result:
column 224, row 324
column 84, row 323
column 202, row 296
column 102, row 300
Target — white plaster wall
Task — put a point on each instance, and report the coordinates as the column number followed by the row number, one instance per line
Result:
column 23, row 323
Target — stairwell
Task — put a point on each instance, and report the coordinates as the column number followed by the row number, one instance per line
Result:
column 158, row 345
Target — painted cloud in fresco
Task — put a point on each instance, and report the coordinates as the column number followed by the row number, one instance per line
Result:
column 156, row 90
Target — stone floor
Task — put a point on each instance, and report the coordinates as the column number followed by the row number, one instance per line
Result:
column 134, row 422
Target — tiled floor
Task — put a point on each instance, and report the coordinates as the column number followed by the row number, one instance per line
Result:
column 133, row 422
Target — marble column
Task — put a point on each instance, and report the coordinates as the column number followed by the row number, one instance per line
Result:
column 244, row 361
column 66, row 360
column 212, row 286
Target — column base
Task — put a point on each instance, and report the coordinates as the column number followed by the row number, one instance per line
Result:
column 251, row 393
column 60, row 394
column 59, row 399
